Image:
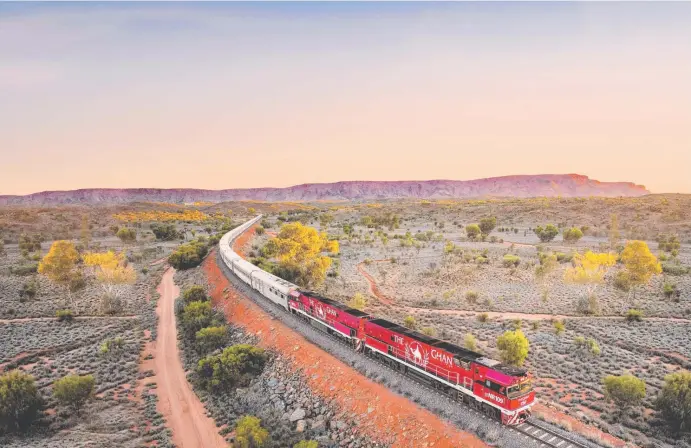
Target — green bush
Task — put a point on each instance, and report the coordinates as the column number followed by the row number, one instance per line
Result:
column 633, row 315
column 306, row 444
column 470, row 342
column 127, row 235
column 674, row 400
column 188, row 255
column 547, row 233
column 234, row 367
column 165, row 232
column 488, row 224
column 26, row 269
column 210, row 338
column 64, row 315
column 675, row 269
column 74, row 390
column 110, row 346
column 558, row 327
column 483, row 317
column 622, row 281
column 20, row 401
column 572, row 235
column 511, row 260
column 195, row 316
column 471, row 297
column 513, row 347
column 29, row 289
column 194, row 293
column 473, row 231
column 409, row 322
column 249, row 433
column 625, row 390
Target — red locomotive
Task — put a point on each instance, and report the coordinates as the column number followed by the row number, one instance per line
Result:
column 501, row 391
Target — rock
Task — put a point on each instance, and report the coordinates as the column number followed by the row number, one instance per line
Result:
column 301, row 426
column 273, row 382
column 297, row 414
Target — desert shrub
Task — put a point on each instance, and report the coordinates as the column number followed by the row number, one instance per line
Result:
column 634, row 315
column 472, row 231
column 482, row 260
column 483, row 317
column 165, row 232
column 470, row 342
column 234, row 367
column 20, row 401
column 2, row 248
column 74, row 390
column 29, row 289
column 564, row 257
column 572, row 235
column 194, row 293
column 668, row 243
column 64, row 315
column 471, row 297
column 670, row 290
column 558, row 327
column 358, row 301
column 249, row 433
column 409, row 322
column 516, row 324
column 511, row 260
column 547, row 233
column 306, row 444
column 210, row 338
column 195, row 316
column 675, row 269
column 622, row 281
column 26, row 269
column 260, row 230
column 513, row 347
column 30, row 243
column 111, row 346
column 589, row 305
column 535, row 325
column 674, row 400
column 127, row 235
column 429, row 331
column 624, row 390
column 188, row 255
column 589, row 344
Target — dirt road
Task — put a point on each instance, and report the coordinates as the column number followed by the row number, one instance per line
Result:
column 184, row 413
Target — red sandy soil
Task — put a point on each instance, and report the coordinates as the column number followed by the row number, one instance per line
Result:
column 374, row 289
column 382, row 415
column 241, row 241
column 184, row 413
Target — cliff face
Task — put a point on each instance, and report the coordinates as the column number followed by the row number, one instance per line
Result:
column 565, row 185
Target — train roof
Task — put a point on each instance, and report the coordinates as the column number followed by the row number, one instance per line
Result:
column 335, row 304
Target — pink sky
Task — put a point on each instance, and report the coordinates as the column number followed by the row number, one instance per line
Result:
column 232, row 96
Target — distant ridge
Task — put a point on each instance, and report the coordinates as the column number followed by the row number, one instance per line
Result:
column 549, row 185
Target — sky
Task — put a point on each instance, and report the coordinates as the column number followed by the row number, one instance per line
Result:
column 236, row 95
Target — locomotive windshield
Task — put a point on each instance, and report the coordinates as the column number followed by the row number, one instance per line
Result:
column 519, row 389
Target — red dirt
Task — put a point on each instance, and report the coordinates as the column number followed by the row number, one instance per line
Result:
column 241, row 241
column 184, row 413
column 382, row 415
column 374, row 289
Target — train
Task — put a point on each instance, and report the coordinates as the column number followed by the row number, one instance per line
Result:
column 500, row 391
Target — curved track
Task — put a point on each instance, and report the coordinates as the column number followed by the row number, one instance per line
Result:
column 539, row 434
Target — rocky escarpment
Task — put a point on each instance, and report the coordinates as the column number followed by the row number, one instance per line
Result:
column 564, row 185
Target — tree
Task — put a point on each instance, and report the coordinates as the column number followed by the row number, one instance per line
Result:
column 234, row 367
column 299, row 250
column 358, row 301
column 74, row 390
column 188, row 255
column 572, row 235
column 59, row 263
column 547, row 233
column 639, row 262
column 20, row 401
column 195, row 293
column 472, row 231
column 487, row 225
column 306, row 444
column 674, row 400
column 112, row 272
column 249, row 433
column 409, row 322
column 127, row 235
column 589, row 269
column 210, row 338
column 625, row 390
column 165, row 232
column 513, row 347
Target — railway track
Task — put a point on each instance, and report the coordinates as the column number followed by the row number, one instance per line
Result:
column 540, row 435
